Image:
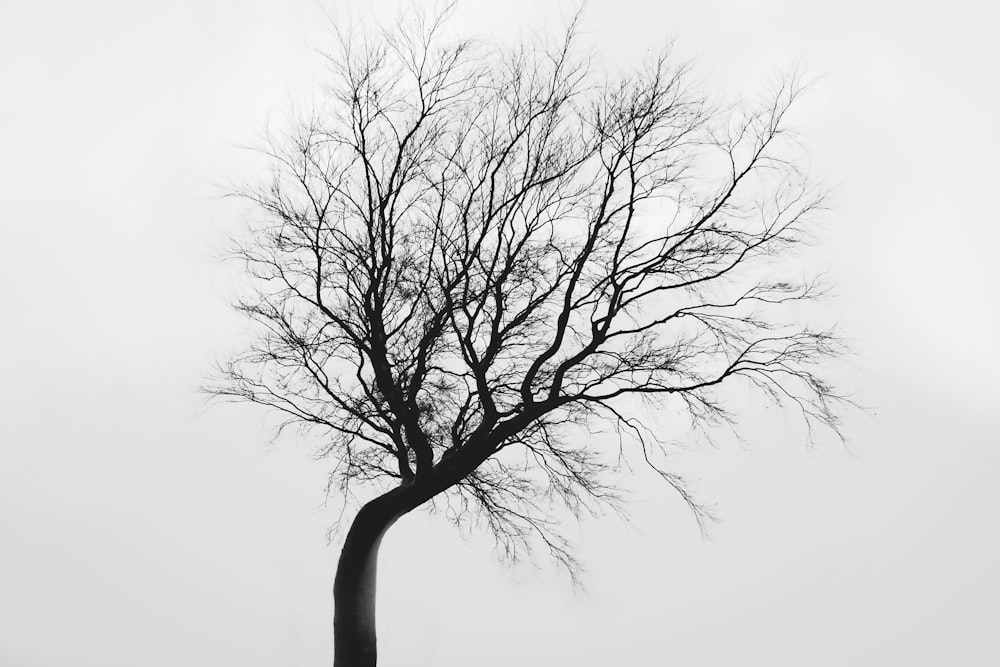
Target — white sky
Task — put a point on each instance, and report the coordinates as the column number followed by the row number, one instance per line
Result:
column 138, row 529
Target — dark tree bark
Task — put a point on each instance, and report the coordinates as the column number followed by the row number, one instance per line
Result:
column 354, row 585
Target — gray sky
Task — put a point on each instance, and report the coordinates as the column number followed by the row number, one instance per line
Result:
column 136, row 528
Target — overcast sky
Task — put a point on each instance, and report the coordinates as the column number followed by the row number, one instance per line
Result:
column 138, row 528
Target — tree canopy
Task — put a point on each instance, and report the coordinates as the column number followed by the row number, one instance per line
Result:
column 468, row 255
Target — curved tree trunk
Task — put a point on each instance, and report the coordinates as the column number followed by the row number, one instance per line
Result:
column 354, row 584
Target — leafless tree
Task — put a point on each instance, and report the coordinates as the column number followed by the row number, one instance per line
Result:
column 469, row 251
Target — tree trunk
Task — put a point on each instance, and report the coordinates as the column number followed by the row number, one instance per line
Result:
column 354, row 584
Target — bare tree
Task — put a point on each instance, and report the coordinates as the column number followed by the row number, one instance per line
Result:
column 468, row 251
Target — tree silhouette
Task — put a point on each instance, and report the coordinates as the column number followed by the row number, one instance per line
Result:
column 469, row 251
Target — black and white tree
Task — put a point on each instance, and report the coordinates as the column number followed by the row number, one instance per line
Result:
column 478, row 270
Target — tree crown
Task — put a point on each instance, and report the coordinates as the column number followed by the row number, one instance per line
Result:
column 467, row 251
